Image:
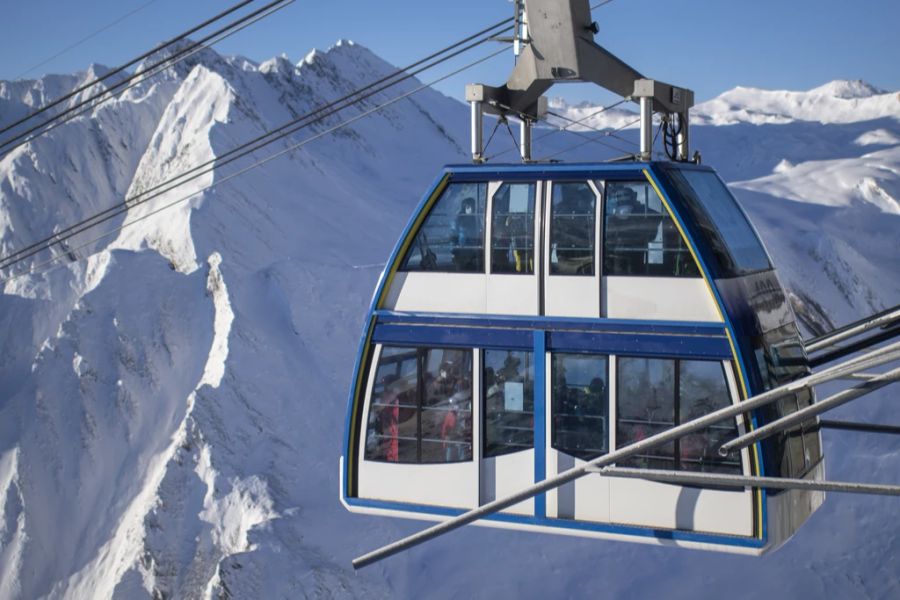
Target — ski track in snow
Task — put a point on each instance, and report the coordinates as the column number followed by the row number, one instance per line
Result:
column 173, row 431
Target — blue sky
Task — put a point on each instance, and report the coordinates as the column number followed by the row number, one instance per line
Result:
column 708, row 45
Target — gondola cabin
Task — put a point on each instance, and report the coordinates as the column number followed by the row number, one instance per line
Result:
column 535, row 316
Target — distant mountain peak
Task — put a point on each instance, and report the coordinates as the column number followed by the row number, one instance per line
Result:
column 839, row 101
column 277, row 64
column 848, row 89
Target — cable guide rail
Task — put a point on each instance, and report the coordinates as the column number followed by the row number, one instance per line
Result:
column 605, row 464
column 742, row 481
column 849, row 339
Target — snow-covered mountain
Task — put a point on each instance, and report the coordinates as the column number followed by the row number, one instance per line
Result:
column 171, row 400
column 834, row 102
column 838, row 101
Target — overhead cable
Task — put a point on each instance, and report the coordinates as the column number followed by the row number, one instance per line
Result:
column 91, row 102
column 315, row 116
column 38, row 269
column 256, row 144
column 85, row 38
column 125, row 66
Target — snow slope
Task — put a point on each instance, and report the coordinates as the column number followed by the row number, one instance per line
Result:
column 171, row 405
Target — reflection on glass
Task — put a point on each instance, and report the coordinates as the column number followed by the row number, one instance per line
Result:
column 452, row 237
column 702, row 389
column 392, row 431
column 657, row 394
column 580, row 405
column 508, row 401
column 447, row 406
column 572, row 229
column 735, row 244
column 421, row 408
column 512, row 229
column 646, row 406
column 640, row 237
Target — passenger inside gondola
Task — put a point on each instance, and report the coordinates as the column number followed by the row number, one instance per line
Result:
column 641, row 237
column 466, row 237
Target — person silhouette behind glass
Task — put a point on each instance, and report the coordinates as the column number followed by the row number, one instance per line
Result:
column 466, row 237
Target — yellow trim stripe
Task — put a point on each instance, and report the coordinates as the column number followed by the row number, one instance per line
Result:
column 753, row 449
column 721, row 313
column 360, row 378
column 411, row 235
column 684, row 238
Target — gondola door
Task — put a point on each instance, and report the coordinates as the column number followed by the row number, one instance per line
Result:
column 512, row 252
column 571, row 249
column 510, row 405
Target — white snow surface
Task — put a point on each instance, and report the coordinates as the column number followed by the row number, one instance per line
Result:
column 173, row 394
column 835, row 102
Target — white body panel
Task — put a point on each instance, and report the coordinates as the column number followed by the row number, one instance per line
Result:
column 453, row 485
column 659, row 298
column 505, row 475
column 512, row 295
column 438, row 292
column 585, row 499
column 653, row 504
column 570, row 296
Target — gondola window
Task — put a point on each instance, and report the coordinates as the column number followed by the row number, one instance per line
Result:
column 421, row 410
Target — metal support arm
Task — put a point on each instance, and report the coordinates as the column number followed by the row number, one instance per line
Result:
column 561, row 48
column 741, row 481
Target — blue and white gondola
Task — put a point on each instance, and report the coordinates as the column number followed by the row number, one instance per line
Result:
column 532, row 317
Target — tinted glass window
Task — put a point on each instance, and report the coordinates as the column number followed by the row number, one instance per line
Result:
column 799, row 449
column 702, row 389
column 512, row 225
column 735, row 244
column 780, row 358
column 392, row 433
column 572, row 229
column 452, row 237
column 645, row 406
column 421, row 409
column 658, row 394
column 640, row 237
column 580, row 403
column 508, row 401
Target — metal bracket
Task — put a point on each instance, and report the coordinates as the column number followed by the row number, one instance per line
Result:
column 560, row 48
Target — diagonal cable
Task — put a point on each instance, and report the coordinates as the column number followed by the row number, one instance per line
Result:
column 39, row 268
column 315, row 116
column 85, row 38
column 19, row 139
column 125, row 66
